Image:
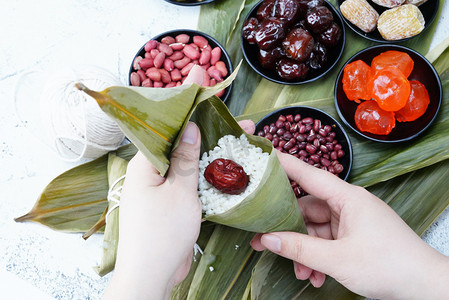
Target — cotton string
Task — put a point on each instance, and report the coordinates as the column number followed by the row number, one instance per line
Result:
column 73, row 119
column 114, row 195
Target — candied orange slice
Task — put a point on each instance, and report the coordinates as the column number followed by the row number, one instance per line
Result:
column 369, row 117
column 393, row 58
column 416, row 105
column 355, row 78
column 390, row 88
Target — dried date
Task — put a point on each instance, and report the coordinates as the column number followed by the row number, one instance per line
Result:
column 298, row 44
column 269, row 58
column 249, row 30
column 269, row 33
column 319, row 19
column 226, row 176
column 331, row 36
column 291, row 70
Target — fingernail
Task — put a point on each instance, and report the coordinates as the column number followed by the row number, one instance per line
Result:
column 190, row 134
column 272, row 242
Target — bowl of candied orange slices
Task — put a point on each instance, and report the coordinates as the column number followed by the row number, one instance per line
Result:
column 388, row 93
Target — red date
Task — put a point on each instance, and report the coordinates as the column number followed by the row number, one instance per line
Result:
column 298, row 44
column 226, row 176
column 269, row 33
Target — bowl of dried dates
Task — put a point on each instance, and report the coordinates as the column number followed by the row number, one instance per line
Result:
column 388, row 93
column 388, row 21
column 166, row 60
column 310, row 134
column 293, row 41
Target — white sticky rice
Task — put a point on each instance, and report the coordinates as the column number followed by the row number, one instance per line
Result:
column 250, row 157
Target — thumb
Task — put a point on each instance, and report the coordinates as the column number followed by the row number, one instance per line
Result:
column 313, row 252
column 184, row 159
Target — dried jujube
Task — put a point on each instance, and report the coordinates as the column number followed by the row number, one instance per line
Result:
column 318, row 56
column 269, row 33
column 298, row 44
column 286, row 10
column 227, row 176
column 290, row 69
column 319, row 19
column 331, row 36
column 269, row 58
column 249, row 30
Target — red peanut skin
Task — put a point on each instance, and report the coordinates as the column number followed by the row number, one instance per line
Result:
column 176, row 75
column 154, row 52
column 158, row 84
column 136, row 62
column 182, row 38
column 165, row 76
column 204, row 57
column 222, row 68
column 179, row 64
column 177, row 55
column 215, row 55
column 185, row 71
column 151, row 44
column 159, row 60
column 200, row 41
column 147, row 83
column 166, row 49
column 146, row 63
column 168, row 40
column 153, row 74
column 169, row 64
column 142, row 75
column 135, row 79
column 191, row 52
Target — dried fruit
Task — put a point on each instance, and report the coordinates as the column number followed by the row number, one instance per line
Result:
column 269, row 33
column 331, row 36
column 369, row 117
column 392, row 58
column 306, row 5
column 360, row 13
column 265, row 10
column 390, row 88
column 416, row 104
column 356, row 75
column 319, row 19
column 291, row 70
column 269, row 58
column 226, row 176
column 401, row 22
column 249, row 30
column 286, row 10
column 389, row 3
column 298, row 44
column 318, row 57
column 415, row 2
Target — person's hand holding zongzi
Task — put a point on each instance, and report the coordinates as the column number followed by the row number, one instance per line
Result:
column 357, row 239
column 159, row 224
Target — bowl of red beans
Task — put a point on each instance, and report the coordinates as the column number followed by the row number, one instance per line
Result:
column 311, row 135
column 166, row 59
column 388, row 93
column 293, row 41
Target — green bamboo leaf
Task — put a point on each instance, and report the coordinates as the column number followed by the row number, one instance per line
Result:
column 116, row 170
column 223, row 20
column 181, row 290
column 272, row 206
column 151, row 119
column 224, row 260
column 76, row 199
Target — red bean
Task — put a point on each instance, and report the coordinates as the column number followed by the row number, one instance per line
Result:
column 307, row 120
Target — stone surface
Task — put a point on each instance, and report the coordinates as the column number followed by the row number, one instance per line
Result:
column 45, row 35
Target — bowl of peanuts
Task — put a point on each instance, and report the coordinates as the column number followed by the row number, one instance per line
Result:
column 166, row 60
column 311, row 135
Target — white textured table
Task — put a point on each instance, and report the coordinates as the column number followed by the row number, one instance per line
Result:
column 36, row 262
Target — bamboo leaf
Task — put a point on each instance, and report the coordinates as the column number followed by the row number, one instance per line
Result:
column 116, row 170
column 224, row 259
column 76, row 199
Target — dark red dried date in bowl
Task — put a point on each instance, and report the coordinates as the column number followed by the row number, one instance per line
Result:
column 321, row 62
column 298, row 142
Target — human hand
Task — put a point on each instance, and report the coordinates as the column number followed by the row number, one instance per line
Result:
column 357, row 239
column 159, row 223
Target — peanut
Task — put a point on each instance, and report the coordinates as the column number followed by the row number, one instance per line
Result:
column 215, row 55
column 191, row 52
column 182, row 38
column 159, row 60
column 200, row 41
column 135, row 79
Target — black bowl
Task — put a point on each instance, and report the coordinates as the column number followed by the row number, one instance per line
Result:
column 189, row 2
column 429, row 10
column 326, row 119
column 423, row 71
column 251, row 53
column 212, row 42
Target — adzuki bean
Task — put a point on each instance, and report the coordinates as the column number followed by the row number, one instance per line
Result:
column 309, row 140
column 168, row 62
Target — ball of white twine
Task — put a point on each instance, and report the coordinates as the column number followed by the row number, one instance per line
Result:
column 73, row 119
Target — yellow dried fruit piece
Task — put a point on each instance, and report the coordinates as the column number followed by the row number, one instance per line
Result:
column 389, row 3
column 401, row 22
column 415, row 2
column 360, row 13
